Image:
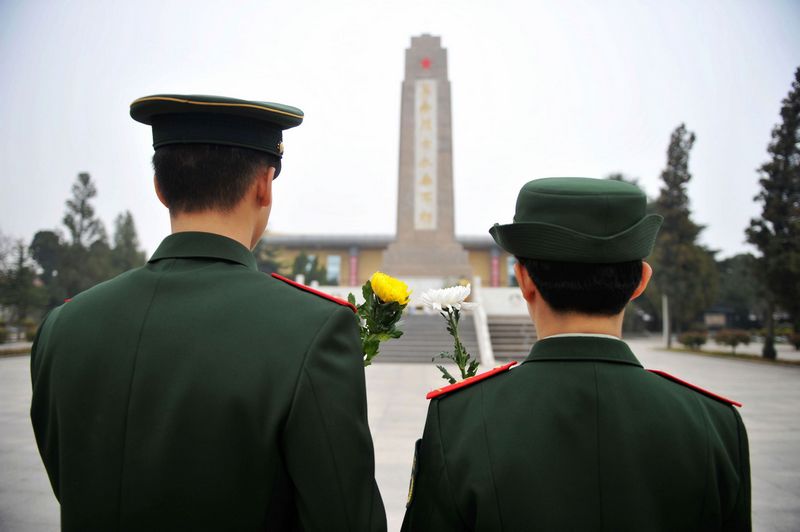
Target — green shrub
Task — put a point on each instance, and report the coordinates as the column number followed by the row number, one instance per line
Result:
column 732, row 337
column 694, row 339
column 30, row 327
column 3, row 334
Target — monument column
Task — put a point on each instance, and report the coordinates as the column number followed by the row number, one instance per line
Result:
column 425, row 245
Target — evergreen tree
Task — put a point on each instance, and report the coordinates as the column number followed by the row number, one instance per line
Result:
column 268, row 258
column 85, row 260
column 19, row 286
column 45, row 249
column 6, row 248
column 126, row 253
column 310, row 268
column 49, row 251
column 640, row 314
column 316, row 272
column 99, row 264
column 79, row 219
column 684, row 271
column 619, row 176
column 300, row 265
column 776, row 233
column 740, row 289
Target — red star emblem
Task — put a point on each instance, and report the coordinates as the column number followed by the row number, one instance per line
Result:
column 426, row 63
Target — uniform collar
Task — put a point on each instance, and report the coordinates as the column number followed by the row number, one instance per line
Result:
column 582, row 335
column 582, row 348
column 204, row 245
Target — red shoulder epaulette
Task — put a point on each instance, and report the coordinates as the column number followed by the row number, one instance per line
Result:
column 469, row 381
column 693, row 387
column 315, row 292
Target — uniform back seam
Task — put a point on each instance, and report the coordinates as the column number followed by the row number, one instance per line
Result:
column 130, row 388
column 444, row 467
column 304, row 372
column 707, row 426
column 597, row 444
column 330, row 449
column 491, row 469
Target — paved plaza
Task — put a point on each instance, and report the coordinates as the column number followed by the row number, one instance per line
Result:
column 397, row 408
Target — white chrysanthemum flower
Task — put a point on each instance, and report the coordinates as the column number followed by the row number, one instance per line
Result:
column 444, row 298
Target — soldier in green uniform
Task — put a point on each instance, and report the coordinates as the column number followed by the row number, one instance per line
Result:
column 196, row 393
column 580, row 436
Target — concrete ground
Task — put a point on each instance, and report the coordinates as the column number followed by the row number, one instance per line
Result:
column 397, row 408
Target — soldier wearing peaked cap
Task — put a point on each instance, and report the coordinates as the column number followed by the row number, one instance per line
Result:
column 579, row 436
column 196, row 393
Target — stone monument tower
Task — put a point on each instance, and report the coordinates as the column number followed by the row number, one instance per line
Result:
column 425, row 244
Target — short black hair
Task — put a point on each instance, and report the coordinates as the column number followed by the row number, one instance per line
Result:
column 585, row 288
column 198, row 177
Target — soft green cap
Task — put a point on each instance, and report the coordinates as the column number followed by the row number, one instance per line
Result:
column 579, row 219
column 196, row 119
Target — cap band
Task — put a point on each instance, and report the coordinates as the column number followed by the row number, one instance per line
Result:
column 229, row 130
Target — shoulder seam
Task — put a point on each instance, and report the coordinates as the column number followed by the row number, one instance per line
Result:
column 314, row 291
column 466, row 383
column 693, row 387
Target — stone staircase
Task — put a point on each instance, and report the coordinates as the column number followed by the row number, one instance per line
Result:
column 512, row 336
column 425, row 336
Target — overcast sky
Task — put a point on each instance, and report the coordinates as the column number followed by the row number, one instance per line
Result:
column 564, row 88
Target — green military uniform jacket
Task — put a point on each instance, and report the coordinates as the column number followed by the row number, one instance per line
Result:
column 196, row 393
column 580, row 437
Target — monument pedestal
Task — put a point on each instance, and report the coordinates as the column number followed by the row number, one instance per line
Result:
column 412, row 259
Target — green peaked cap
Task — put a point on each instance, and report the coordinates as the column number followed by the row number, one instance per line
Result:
column 202, row 119
column 579, row 219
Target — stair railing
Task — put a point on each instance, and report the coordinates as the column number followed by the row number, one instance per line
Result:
column 481, row 322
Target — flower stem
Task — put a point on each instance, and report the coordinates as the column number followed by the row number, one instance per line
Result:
column 460, row 356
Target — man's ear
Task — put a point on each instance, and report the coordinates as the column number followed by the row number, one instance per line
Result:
column 159, row 193
column 526, row 284
column 647, row 274
column 264, row 186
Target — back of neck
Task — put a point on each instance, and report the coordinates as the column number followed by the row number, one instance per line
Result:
column 550, row 324
column 213, row 222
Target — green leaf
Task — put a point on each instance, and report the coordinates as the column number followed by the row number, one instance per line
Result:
column 367, row 292
column 371, row 345
column 351, row 299
column 446, row 374
column 473, row 368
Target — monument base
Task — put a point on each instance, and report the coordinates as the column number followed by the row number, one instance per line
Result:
column 414, row 260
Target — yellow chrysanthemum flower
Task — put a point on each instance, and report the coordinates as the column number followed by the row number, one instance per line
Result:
column 388, row 289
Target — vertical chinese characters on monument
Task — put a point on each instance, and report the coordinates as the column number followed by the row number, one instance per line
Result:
column 426, row 155
column 425, row 246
